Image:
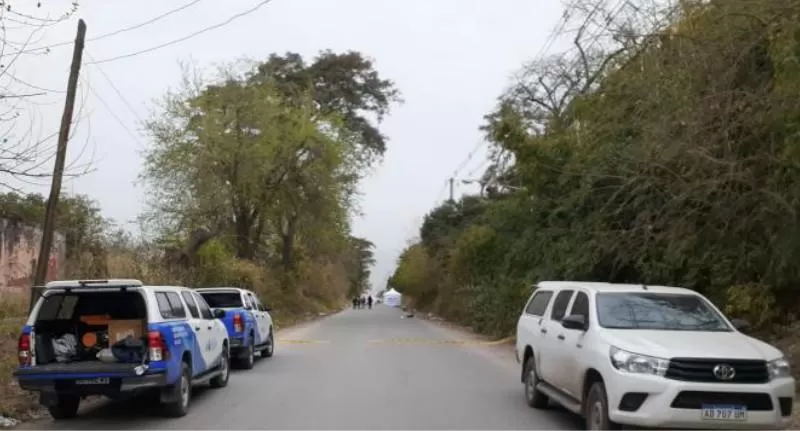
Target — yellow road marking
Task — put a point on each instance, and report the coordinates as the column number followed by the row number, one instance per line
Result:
column 438, row 342
column 303, row 341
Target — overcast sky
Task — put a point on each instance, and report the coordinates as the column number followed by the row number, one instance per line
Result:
column 450, row 58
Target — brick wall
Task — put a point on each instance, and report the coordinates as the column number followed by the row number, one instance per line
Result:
column 19, row 249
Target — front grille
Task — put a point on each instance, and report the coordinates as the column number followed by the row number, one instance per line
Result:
column 695, row 399
column 702, row 370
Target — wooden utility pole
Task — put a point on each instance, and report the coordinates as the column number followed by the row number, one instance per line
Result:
column 43, row 262
column 451, row 188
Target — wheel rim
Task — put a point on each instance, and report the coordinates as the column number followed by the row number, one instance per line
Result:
column 530, row 384
column 184, row 391
column 224, row 366
column 596, row 416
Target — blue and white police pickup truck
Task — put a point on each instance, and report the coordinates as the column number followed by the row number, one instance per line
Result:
column 248, row 322
column 118, row 338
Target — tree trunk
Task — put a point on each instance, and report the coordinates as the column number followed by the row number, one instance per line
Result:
column 244, row 244
column 287, row 245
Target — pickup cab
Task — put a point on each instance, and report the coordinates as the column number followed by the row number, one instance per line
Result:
column 247, row 320
column 120, row 338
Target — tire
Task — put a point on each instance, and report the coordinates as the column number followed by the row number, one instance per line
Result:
column 533, row 396
column 596, row 409
column 248, row 360
column 180, row 407
column 66, row 407
column 221, row 380
column 269, row 350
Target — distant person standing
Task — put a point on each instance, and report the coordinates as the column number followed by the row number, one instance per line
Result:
column 355, row 302
column 369, row 302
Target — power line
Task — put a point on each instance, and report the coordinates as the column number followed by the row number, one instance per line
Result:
column 116, row 32
column 116, row 90
column 116, row 117
column 197, row 33
column 616, row 10
column 539, row 55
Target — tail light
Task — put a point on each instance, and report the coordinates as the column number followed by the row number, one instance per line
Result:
column 155, row 345
column 24, row 348
column 238, row 326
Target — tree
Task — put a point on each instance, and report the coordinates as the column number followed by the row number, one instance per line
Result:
column 264, row 172
column 363, row 259
column 23, row 147
column 345, row 85
column 675, row 166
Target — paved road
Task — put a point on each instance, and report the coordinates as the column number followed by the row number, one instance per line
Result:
column 359, row 369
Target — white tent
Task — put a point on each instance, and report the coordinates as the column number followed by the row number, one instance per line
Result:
column 392, row 298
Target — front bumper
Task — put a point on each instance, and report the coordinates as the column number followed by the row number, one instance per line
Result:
column 676, row 404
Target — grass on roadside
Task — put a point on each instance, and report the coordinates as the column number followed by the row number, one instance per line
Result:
column 14, row 402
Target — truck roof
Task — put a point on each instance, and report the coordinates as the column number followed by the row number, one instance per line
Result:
column 613, row 287
column 221, row 289
column 111, row 282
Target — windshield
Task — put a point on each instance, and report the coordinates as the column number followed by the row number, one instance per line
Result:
column 223, row 299
column 659, row 311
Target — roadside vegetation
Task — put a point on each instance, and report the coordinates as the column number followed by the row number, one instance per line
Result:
column 662, row 149
column 251, row 181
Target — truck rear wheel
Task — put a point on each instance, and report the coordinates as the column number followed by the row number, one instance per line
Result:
column 269, row 349
column 180, row 405
column 65, row 407
column 248, row 358
column 221, row 380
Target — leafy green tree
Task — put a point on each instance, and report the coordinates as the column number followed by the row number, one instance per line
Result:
column 670, row 163
column 345, row 85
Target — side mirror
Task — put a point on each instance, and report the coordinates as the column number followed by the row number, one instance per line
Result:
column 574, row 321
column 741, row 325
column 219, row 313
column 266, row 308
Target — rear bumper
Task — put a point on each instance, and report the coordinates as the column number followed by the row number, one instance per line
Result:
column 115, row 385
column 237, row 342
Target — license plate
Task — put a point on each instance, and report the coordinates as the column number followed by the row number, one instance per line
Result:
column 724, row 413
column 97, row 381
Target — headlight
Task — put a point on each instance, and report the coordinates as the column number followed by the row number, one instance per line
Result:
column 635, row 363
column 779, row 368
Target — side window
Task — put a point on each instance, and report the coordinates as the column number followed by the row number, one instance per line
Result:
column 178, row 311
column 560, row 305
column 581, row 305
column 191, row 304
column 163, row 305
column 258, row 302
column 538, row 303
column 255, row 301
column 205, row 312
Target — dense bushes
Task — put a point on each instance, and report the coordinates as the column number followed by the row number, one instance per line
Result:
column 678, row 166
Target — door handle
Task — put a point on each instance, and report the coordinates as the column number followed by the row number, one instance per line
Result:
column 543, row 330
column 560, row 336
column 209, row 327
column 197, row 328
